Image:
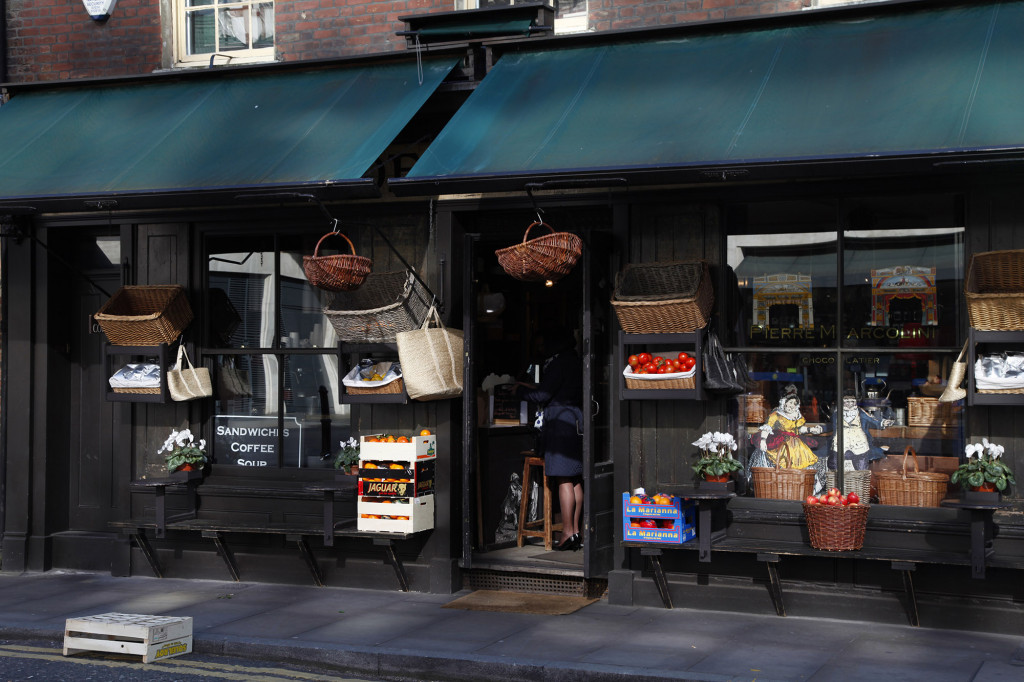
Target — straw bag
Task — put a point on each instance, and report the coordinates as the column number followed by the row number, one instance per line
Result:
column 778, row 483
column 188, row 383
column 431, row 359
column 550, row 257
column 918, row 489
column 341, row 272
column 957, row 372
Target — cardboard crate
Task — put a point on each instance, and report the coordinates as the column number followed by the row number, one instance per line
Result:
column 418, row 510
column 675, row 522
column 153, row 638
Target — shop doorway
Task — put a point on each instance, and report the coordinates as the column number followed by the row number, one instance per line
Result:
column 504, row 321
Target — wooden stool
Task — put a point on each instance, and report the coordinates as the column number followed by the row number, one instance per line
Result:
column 529, row 528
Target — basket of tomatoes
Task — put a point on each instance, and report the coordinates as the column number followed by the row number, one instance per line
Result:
column 671, row 370
column 836, row 522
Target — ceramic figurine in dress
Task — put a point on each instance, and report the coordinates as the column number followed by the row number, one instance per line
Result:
column 782, row 434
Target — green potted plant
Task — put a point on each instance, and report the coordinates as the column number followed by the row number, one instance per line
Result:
column 347, row 459
column 984, row 470
column 183, row 453
column 715, row 464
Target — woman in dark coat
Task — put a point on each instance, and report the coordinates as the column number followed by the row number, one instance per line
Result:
column 560, row 394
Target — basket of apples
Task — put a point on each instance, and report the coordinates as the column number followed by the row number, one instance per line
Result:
column 836, row 522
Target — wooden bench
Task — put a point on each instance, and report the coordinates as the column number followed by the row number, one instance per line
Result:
column 216, row 530
column 770, row 553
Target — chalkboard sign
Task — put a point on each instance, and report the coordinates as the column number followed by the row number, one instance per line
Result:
column 243, row 440
column 506, row 407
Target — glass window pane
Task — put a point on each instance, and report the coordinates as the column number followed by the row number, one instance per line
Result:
column 234, row 24
column 303, row 323
column 263, row 27
column 247, row 431
column 787, row 287
column 200, row 32
column 241, row 295
column 903, row 274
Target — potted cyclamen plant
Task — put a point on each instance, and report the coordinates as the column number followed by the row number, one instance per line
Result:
column 183, row 453
column 984, row 471
column 347, row 460
column 715, row 464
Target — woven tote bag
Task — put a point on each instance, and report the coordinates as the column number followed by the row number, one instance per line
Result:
column 185, row 382
column 431, row 359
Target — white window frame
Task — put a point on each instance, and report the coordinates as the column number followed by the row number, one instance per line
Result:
column 204, row 59
column 577, row 22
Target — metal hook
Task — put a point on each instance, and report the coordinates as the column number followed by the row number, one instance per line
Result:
column 537, row 209
column 334, row 226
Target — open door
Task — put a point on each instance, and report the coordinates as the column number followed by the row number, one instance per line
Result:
column 598, row 468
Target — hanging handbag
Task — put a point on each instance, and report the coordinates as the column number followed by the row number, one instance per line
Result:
column 957, row 372
column 719, row 371
column 232, row 382
column 186, row 382
column 431, row 359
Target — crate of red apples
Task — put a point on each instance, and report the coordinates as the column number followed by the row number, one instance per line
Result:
column 657, row 518
column 836, row 522
column 669, row 370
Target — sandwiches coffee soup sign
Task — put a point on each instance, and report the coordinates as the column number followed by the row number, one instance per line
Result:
column 99, row 9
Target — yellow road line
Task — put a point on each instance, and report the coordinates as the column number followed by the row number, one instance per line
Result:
column 222, row 671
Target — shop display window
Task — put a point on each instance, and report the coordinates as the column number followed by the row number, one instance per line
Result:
column 276, row 375
column 848, row 336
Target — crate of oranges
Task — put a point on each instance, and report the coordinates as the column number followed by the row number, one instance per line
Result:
column 658, row 518
column 396, row 482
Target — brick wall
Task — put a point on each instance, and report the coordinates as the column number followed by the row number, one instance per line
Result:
column 56, row 39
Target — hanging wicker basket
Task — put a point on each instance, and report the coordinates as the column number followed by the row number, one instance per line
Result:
column 388, row 303
column 917, row 489
column 145, row 315
column 340, row 272
column 550, row 257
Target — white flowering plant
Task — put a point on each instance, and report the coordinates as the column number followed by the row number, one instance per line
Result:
column 984, row 465
column 716, row 454
column 182, row 449
column 349, row 454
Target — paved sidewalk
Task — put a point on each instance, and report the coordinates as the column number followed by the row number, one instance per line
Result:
column 407, row 635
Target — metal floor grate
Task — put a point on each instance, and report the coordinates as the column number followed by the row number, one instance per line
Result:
column 478, row 579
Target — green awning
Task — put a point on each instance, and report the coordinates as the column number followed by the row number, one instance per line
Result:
column 296, row 129
column 922, row 83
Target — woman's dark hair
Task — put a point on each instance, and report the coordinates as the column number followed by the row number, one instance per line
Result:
column 557, row 340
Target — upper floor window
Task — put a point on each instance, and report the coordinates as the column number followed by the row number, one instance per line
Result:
column 570, row 15
column 223, row 31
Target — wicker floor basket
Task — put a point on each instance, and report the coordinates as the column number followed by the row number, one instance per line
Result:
column 387, row 303
column 145, row 315
column 917, row 489
column 995, row 290
column 781, row 483
column 549, row 257
column 663, row 298
column 836, row 528
column 857, row 481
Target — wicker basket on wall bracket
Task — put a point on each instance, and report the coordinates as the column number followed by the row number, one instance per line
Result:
column 145, row 315
column 994, row 290
column 549, row 257
column 663, row 297
column 340, row 272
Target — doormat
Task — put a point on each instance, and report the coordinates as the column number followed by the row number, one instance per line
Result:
column 519, row 602
column 573, row 558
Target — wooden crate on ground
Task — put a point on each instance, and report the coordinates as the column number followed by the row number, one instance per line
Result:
column 152, row 637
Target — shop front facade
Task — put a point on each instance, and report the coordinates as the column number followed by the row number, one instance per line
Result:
column 839, row 223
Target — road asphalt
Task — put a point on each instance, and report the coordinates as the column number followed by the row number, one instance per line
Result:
column 392, row 635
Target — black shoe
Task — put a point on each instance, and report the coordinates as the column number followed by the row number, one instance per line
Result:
column 570, row 544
